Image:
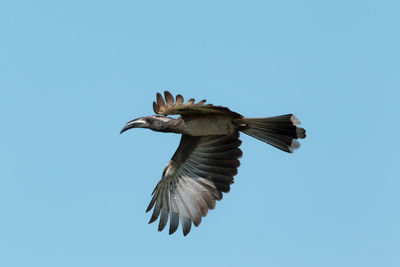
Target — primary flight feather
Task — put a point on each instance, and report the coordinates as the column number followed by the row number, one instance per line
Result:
column 207, row 157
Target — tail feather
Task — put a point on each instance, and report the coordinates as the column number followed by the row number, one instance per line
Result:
column 279, row 131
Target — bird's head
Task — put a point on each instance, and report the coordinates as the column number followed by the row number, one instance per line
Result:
column 155, row 123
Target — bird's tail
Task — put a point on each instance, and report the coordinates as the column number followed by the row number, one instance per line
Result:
column 279, row 131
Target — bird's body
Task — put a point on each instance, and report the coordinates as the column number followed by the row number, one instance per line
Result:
column 216, row 125
column 208, row 155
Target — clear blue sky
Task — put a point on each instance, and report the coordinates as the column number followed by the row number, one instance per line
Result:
column 73, row 191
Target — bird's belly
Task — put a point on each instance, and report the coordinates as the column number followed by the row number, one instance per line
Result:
column 213, row 125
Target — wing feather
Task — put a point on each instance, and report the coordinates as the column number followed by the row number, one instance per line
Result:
column 154, row 198
column 156, row 108
column 169, row 98
column 160, row 102
column 208, row 197
column 201, row 169
column 168, row 107
column 207, row 184
column 174, row 213
column 190, row 102
column 179, row 100
column 156, row 211
column 164, row 211
column 185, row 213
column 190, row 201
column 194, row 200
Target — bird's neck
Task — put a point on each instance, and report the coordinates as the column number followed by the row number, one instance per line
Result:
column 169, row 125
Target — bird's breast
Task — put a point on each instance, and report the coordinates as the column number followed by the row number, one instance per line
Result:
column 210, row 125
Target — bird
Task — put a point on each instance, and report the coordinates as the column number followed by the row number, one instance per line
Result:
column 207, row 158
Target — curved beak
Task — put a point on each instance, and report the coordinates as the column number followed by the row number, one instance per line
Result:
column 137, row 123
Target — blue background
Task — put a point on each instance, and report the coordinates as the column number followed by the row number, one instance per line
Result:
column 73, row 191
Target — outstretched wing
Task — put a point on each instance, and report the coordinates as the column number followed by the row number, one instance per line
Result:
column 177, row 107
column 200, row 170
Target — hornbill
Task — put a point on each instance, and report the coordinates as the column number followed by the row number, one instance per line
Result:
column 207, row 157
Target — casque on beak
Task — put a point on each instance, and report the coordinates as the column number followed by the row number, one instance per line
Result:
column 136, row 123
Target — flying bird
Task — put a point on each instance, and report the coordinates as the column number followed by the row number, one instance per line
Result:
column 207, row 157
